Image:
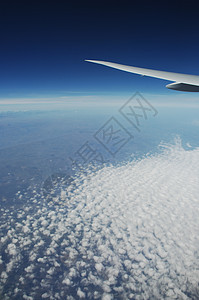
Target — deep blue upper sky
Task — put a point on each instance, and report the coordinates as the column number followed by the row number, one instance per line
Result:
column 43, row 46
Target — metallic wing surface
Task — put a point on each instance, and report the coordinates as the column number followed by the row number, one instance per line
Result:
column 181, row 82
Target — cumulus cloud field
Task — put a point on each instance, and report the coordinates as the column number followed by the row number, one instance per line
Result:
column 122, row 232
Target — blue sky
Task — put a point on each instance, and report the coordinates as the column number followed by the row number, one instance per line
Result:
column 43, row 46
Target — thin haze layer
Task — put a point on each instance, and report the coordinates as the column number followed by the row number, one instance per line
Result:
column 124, row 232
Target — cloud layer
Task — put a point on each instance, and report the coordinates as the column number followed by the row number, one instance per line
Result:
column 124, row 232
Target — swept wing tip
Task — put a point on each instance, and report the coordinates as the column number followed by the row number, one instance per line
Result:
column 90, row 60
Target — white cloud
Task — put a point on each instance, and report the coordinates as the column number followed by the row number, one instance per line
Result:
column 80, row 294
column 66, row 281
column 129, row 230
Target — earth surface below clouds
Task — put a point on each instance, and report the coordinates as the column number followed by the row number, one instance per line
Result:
column 122, row 232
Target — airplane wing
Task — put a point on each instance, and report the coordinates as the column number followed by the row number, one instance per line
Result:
column 181, row 82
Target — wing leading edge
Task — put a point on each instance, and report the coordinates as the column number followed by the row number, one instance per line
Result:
column 181, row 82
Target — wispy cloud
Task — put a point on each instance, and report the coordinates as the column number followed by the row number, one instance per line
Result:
column 195, row 122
